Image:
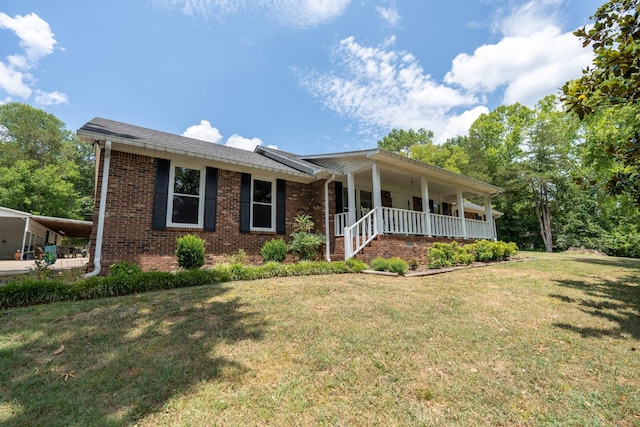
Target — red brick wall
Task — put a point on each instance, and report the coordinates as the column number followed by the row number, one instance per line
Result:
column 128, row 236
column 405, row 247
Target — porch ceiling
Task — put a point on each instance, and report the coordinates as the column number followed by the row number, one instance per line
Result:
column 407, row 183
column 397, row 171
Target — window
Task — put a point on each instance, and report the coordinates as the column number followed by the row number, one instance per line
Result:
column 262, row 205
column 185, row 197
column 365, row 199
column 345, row 199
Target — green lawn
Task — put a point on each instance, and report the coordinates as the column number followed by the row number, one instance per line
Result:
column 549, row 341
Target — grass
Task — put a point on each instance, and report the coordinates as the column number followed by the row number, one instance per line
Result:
column 551, row 341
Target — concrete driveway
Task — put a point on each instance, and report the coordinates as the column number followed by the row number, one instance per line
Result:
column 16, row 267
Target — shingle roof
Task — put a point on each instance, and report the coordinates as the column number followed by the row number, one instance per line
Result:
column 127, row 134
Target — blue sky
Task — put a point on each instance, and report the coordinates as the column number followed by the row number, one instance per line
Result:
column 306, row 76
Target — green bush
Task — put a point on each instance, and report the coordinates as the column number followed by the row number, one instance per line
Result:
column 397, row 265
column 394, row 265
column 239, row 257
column 41, row 291
column 355, row 266
column 624, row 241
column 124, row 268
column 442, row 255
column 305, row 243
column 275, row 250
column 379, row 264
column 190, row 252
column 413, row 264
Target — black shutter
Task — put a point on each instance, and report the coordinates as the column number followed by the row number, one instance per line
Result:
column 281, row 203
column 161, row 195
column 431, row 206
column 245, row 202
column 210, row 199
column 339, row 204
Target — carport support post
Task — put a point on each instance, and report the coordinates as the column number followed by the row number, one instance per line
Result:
column 24, row 238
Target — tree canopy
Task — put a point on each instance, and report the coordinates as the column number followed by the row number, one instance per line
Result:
column 44, row 168
column 613, row 81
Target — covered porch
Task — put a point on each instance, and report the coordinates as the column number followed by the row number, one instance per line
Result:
column 382, row 193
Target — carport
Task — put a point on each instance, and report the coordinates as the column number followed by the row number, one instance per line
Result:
column 23, row 231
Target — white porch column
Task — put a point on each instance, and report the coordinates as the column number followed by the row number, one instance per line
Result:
column 488, row 215
column 377, row 196
column 351, row 187
column 424, row 184
column 461, row 213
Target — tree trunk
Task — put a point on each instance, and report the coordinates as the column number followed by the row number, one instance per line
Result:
column 541, row 201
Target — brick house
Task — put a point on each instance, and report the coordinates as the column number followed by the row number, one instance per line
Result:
column 153, row 187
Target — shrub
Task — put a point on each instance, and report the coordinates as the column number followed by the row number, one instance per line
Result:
column 124, row 268
column 239, row 257
column 379, row 264
column 31, row 291
column 413, row 264
column 355, row 266
column 190, row 252
column 397, row 265
column 305, row 243
column 482, row 249
column 442, row 255
column 275, row 250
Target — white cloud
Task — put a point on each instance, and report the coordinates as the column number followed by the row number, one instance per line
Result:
column 533, row 59
column 37, row 41
column 50, row 98
column 203, row 131
column 34, row 33
column 389, row 14
column 243, row 143
column 292, row 13
column 383, row 89
column 13, row 82
column 460, row 124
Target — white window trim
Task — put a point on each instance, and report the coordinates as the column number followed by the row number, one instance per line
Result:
column 172, row 176
column 274, row 195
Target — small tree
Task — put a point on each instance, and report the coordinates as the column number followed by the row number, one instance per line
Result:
column 190, row 252
column 305, row 243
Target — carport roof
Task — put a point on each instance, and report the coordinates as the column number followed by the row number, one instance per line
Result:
column 63, row 226
column 66, row 227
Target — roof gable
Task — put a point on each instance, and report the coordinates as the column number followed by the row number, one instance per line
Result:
column 136, row 136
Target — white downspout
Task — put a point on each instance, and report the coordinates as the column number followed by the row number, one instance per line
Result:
column 101, row 212
column 327, row 246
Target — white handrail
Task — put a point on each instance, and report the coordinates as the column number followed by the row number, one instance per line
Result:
column 406, row 222
column 360, row 234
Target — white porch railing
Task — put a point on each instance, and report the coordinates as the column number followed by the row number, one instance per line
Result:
column 340, row 221
column 360, row 234
column 479, row 229
column 401, row 221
